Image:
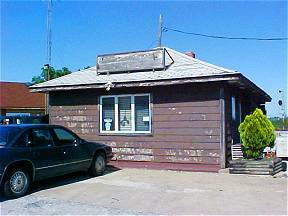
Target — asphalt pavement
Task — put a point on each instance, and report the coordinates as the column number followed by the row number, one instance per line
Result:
column 153, row 192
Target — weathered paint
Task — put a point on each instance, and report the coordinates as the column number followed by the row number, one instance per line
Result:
column 222, row 128
column 186, row 129
column 123, row 62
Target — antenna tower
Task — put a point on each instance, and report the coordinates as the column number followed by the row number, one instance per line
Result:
column 49, row 33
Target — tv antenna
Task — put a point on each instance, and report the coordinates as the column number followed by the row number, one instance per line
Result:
column 47, row 65
column 49, row 33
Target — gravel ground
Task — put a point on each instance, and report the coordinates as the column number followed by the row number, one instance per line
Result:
column 39, row 205
column 153, row 192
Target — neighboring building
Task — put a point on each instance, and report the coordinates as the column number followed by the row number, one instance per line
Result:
column 157, row 108
column 16, row 99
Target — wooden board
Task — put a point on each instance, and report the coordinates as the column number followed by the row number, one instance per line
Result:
column 256, row 167
column 185, row 124
column 167, row 166
column 133, row 61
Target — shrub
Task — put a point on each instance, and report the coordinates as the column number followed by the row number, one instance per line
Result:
column 257, row 133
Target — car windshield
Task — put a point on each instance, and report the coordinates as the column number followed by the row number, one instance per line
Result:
column 30, row 120
column 7, row 134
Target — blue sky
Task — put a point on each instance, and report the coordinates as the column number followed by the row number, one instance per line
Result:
column 83, row 29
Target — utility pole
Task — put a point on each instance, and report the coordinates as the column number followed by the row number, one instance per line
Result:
column 160, row 30
column 48, row 50
column 282, row 104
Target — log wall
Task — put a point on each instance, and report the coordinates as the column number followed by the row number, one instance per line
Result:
column 185, row 126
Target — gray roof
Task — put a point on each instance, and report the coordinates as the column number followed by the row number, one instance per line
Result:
column 184, row 66
column 185, row 69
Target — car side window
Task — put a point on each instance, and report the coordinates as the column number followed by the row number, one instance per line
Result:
column 22, row 141
column 6, row 121
column 64, row 137
column 40, row 138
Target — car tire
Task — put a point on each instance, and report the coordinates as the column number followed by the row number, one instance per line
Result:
column 16, row 183
column 98, row 165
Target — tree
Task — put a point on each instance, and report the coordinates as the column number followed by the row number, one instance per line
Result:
column 279, row 124
column 257, row 133
column 52, row 72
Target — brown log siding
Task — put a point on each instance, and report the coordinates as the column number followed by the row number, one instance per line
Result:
column 248, row 104
column 185, row 125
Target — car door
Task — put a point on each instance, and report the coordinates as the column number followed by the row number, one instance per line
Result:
column 77, row 155
column 48, row 160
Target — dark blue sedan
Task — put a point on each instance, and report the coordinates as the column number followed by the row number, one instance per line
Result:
column 34, row 152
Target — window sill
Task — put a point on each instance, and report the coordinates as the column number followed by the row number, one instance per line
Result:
column 126, row 134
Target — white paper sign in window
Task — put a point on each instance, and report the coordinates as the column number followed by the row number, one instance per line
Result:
column 125, row 114
column 141, row 112
column 108, row 114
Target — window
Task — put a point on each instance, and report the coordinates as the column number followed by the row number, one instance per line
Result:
column 22, row 141
column 233, row 108
column 125, row 118
column 142, row 113
column 41, row 138
column 7, row 134
column 236, row 117
column 108, row 114
column 64, row 137
column 125, row 114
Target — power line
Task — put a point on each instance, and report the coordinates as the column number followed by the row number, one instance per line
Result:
column 165, row 29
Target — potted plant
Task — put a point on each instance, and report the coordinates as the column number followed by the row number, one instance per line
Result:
column 256, row 133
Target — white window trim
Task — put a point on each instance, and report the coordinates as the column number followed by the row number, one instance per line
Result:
column 133, row 131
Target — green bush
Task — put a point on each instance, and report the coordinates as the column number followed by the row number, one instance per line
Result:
column 257, row 133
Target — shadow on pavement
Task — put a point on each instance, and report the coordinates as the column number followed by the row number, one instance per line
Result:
column 62, row 180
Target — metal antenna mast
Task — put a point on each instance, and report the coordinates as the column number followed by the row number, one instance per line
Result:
column 48, row 51
column 49, row 33
column 160, row 30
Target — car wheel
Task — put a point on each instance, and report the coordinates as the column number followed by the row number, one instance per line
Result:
column 16, row 183
column 98, row 165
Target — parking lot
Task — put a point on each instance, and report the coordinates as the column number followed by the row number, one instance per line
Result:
column 141, row 191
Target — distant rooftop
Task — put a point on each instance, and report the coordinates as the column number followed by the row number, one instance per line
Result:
column 18, row 95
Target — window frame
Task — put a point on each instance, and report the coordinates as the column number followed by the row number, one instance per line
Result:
column 57, row 140
column 31, row 144
column 116, row 108
column 26, row 134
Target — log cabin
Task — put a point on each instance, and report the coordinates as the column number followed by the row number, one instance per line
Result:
column 157, row 108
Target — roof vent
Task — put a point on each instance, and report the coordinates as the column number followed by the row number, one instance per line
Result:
column 191, row 54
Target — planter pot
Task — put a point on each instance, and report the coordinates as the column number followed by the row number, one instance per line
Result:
column 269, row 166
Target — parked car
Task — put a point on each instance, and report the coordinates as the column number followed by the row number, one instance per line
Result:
column 33, row 152
column 21, row 119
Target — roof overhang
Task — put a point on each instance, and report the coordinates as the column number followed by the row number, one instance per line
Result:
column 238, row 80
column 244, row 83
column 137, row 83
